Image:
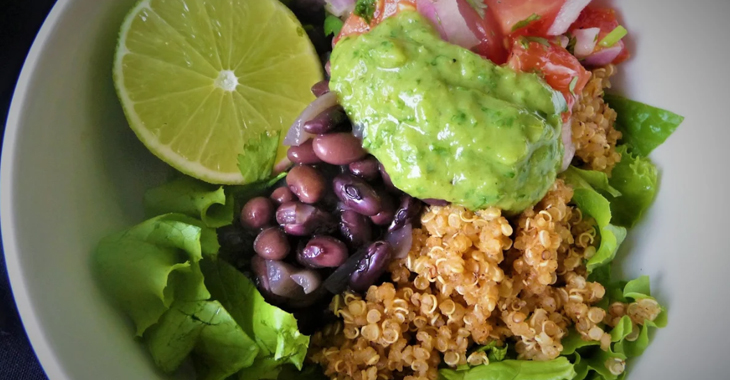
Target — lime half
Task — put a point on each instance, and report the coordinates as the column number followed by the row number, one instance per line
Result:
column 199, row 78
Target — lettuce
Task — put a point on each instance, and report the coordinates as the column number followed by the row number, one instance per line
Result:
column 220, row 346
column 594, row 204
column 149, row 266
column 191, row 197
column 274, row 330
column 636, row 178
column 557, row 369
column 643, row 127
column 185, row 302
column 588, row 358
column 494, row 353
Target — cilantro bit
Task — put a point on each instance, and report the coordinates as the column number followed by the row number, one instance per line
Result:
column 332, row 25
column 615, row 36
column 573, row 82
column 365, row 9
column 478, row 6
column 526, row 22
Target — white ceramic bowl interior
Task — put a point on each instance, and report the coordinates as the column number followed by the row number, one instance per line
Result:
column 72, row 172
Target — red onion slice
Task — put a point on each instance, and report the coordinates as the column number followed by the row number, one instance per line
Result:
column 340, row 8
column 605, row 56
column 449, row 21
column 308, row 279
column 296, row 135
column 280, row 281
column 569, row 152
column 401, row 240
column 585, row 41
column 569, row 12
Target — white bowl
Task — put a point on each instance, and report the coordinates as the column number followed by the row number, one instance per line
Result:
column 72, row 172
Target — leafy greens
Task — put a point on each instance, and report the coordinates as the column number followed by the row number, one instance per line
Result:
column 557, row 369
column 194, row 198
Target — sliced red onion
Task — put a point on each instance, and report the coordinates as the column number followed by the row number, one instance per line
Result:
column 585, row 41
column 308, row 279
column 605, row 56
column 449, row 21
column 401, row 240
column 280, row 281
column 296, row 135
column 569, row 152
column 340, row 8
column 569, row 12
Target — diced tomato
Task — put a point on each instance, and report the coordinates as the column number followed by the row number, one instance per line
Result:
column 553, row 62
column 485, row 29
column 510, row 13
column 604, row 19
column 383, row 9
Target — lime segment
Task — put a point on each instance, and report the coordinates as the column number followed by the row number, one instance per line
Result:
column 199, row 78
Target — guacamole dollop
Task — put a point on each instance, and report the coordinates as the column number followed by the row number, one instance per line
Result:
column 445, row 122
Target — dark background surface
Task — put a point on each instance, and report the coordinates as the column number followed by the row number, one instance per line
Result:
column 19, row 23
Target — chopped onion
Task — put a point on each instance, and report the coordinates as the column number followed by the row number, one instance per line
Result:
column 564, row 41
column 280, row 281
column 296, row 135
column 308, row 279
column 569, row 12
column 340, row 8
column 449, row 21
column 401, row 240
column 282, row 166
column 569, row 152
column 605, row 56
column 585, row 41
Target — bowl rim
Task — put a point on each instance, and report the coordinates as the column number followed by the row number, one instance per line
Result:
column 49, row 361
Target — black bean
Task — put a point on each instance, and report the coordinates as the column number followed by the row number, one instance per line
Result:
column 407, row 212
column 326, row 121
column 367, row 168
column 355, row 228
column 323, row 252
column 281, row 195
column 435, row 202
column 301, row 219
column 339, row 148
column 386, row 178
column 302, row 154
column 272, row 244
column 371, row 266
column 356, row 194
column 307, row 183
column 387, row 211
column 320, row 88
column 257, row 213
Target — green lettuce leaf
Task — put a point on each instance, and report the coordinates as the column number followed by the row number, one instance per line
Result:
column 643, row 127
column 274, row 330
column 494, row 353
column 557, row 369
column 149, row 266
column 633, row 291
column 332, row 25
column 204, row 328
column 594, row 204
column 193, row 198
column 636, row 178
column 257, row 159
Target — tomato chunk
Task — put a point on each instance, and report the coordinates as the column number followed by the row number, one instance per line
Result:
column 561, row 70
column 538, row 14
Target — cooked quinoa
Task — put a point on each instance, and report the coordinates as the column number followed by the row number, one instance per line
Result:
column 593, row 121
column 471, row 278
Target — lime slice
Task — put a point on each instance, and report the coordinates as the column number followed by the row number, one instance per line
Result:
column 199, row 78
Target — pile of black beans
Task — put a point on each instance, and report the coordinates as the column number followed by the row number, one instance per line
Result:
column 325, row 229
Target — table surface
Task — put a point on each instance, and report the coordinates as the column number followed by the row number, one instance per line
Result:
column 19, row 23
